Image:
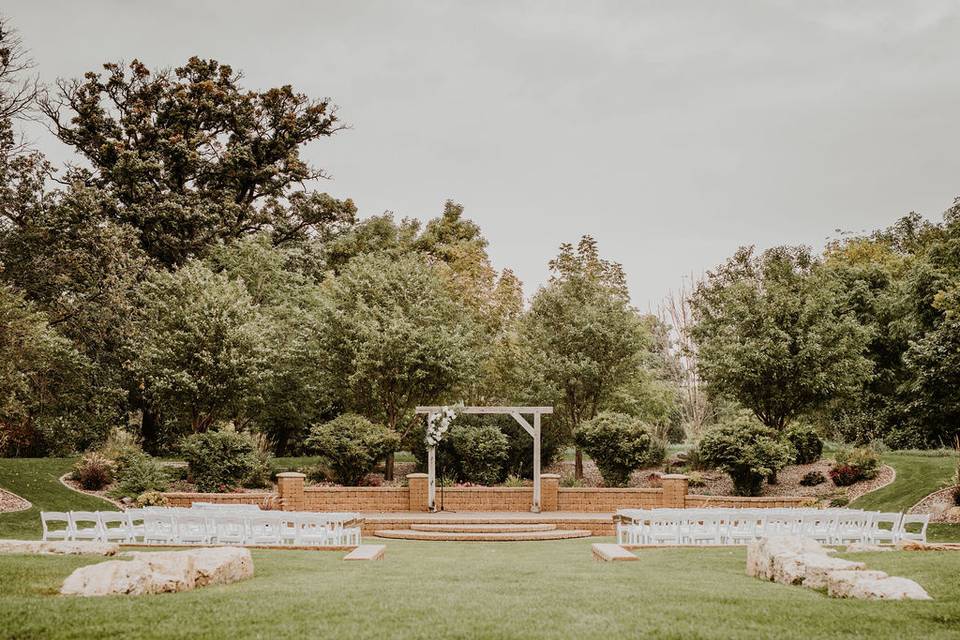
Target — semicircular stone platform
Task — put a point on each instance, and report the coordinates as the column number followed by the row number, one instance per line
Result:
column 482, row 532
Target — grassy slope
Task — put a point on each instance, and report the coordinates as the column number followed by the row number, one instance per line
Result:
column 37, row 480
column 485, row 590
column 917, row 476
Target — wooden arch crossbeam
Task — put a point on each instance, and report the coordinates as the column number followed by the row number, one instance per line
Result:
column 518, row 414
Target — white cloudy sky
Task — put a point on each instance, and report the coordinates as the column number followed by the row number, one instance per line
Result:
column 672, row 132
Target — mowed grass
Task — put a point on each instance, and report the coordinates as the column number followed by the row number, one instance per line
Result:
column 917, row 476
column 484, row 590
column 38, row 480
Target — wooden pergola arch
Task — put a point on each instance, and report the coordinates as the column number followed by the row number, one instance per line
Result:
column 518, row 414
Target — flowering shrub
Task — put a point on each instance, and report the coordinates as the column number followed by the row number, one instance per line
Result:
column 152, row 499
column 843, row 475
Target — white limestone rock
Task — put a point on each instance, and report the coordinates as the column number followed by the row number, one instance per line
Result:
column 818, row 567
column 840, row 583
column 161, row 572
column 773, row 558
column 891, row 588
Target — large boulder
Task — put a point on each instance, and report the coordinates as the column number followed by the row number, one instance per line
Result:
column 840, row 583
column 865, row 547
column 774, row 558
column 890, row 588
column 161, row 572
column 60, row 547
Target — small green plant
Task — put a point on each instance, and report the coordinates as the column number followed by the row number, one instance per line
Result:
column 807, row 445
column 219, row 460
column 514, row 481
column 812, row 479
column 352, row 445
column 747, row 451
column 619, row 444
column 120, row 446
column 140, row 474
column 482, row 452
column 839, row 501
column 696, row 479
column 151, row 499
column 571, row 481
column 93, row 471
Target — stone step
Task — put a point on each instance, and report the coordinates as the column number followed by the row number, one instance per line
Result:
column 609, row 552
column 509, row 536
column 483, row 528
column 367, row 552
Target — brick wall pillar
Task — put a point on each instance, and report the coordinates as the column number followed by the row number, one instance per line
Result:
column 417, row 484
column 674, row 490
column 549, row 491
column 290, row 488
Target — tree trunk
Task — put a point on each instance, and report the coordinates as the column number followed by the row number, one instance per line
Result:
column 149, row 430
column 578, row 465
column 388, row 467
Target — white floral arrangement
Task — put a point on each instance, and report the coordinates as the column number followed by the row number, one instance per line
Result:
column 438, row 424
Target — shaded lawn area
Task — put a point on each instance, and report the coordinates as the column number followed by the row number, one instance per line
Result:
column 484, row 590
column 37, row 480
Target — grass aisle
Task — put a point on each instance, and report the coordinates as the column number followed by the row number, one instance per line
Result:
column 484, row 590
column 37, row 480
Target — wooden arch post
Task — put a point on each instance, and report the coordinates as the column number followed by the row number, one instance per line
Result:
column 518, row 414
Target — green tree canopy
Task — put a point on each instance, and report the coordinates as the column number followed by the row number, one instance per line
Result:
column 394, row 336
column 776, row 336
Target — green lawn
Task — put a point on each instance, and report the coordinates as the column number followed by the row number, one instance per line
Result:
column 484, row 590
column 917, row 476
column 37, row 480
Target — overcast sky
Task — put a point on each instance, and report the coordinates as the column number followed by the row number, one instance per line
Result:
column 672, row 132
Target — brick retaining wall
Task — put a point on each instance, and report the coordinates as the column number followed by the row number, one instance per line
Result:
column 293, row 495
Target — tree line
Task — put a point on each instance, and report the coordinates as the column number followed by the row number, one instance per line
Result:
column 185, row 274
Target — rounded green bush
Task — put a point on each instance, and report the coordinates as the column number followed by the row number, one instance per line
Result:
column 807, row 445
column 352, row 445
column 618, row 444
column 140, row 474
column 482, row 452
column 219, row 460
column 747, row 451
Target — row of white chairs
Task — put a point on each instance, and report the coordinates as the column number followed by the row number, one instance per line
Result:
column 739, row 526
column 204, row 524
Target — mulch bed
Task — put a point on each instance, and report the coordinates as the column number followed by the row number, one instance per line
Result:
column 938, row 504
column 10, row 502
column 717, row 483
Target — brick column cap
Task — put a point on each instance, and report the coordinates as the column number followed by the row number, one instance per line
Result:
column 549, row 475
column 291, row 474
column 417, row 475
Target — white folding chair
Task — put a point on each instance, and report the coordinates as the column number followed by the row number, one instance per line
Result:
column 86, row 525
column 741, row 528
column 135, row 520
column 49, row 517
column 664, row 529
column 703, row 529
column 921, row 519
column 159, row 527
column 265, row 529
column 229, row 528
column 877, row 533
column 851, row 527
column 191, row 529
column 122, row 529
column 313, row 529
column 819, row 526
